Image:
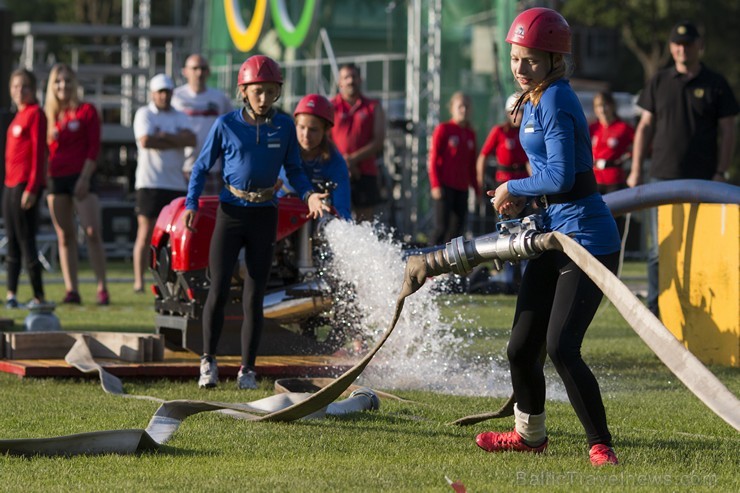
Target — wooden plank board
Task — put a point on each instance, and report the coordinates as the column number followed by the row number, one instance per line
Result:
column 119, row 345
column 186, row 366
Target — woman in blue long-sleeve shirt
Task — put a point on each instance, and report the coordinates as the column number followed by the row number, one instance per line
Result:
column 253, row 143
column 557, row 301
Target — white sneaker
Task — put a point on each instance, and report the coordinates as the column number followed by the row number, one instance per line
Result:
column 246, row 379
column 208, row 372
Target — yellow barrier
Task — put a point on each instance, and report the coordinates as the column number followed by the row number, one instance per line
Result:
column 700, row 278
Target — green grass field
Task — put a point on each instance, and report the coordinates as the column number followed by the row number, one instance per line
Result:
column 666, row 439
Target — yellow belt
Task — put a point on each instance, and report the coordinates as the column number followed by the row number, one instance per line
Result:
column 259, row 195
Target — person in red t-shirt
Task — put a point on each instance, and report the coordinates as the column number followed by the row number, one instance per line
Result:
column 25, row 163
column 503, row 142
column 452, row 170
column 611, row 141
column 359, row 134
column 74, row 143
column 511, row 164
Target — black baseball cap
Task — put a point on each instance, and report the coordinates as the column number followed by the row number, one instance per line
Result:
column 684, row 32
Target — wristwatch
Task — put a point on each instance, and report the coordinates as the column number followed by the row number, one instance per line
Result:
column 723, row 174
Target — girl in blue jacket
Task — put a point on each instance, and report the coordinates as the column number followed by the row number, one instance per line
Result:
column 253, row 143
column 314, row 117
column 557, row 301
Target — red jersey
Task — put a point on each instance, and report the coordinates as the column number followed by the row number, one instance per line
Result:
column 503, row 140
column 611, row 145
column 452, row 157
column 76, row 139
column 354, row 128
column 25, row 149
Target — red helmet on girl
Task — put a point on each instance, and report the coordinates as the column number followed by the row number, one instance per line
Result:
column 317, row 105
column 259, row 68
column 541, row 29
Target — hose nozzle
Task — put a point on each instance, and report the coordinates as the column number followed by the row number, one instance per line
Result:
column 515, row 240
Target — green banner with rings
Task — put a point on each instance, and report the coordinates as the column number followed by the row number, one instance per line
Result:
column 246, row 35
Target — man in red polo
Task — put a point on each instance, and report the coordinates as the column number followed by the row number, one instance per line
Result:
column 359, row 134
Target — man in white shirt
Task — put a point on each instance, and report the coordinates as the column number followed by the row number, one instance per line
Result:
column 161, row 133
column 202, row 105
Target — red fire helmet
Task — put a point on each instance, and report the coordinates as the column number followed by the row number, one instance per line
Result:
column 259, row 68
column 317, row 105
column 541, row 29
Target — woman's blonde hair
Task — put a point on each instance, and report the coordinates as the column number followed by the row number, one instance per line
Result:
column 52, row 105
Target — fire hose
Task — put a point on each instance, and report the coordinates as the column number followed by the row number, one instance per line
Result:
column 518, row 240
column 461, row 256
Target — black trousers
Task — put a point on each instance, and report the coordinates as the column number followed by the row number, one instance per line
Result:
column 450, row 213
column 21, row 226
column 556, row 304
column 254, row 229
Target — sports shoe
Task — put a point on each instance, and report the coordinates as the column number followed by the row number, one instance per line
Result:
column 208, row 372
column 103, row 297
column 492, row 441
column 72, row 298
column 12, row 303
column 602, row 455
column 246, row 379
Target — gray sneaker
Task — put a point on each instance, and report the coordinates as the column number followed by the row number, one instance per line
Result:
column 246, row 379
column 208, row 372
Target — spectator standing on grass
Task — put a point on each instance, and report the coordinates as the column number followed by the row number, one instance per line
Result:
column 25, row 172
column 689, row 123
column 556, row 300
column 359, row 134
column 511, row 164
column 162, row 134
column 74, row 145
column 202, row 105
column 611, row 141
column 503, row 144
column 452, row 171
column 254, row 143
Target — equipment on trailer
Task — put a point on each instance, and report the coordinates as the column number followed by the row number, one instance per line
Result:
column 298, row 293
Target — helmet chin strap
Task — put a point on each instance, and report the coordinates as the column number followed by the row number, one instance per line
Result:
column 267, row 119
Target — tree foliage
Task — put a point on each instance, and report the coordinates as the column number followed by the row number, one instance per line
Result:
column 645, row 25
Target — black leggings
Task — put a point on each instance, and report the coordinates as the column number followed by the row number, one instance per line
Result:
column 254, row 229
column 556, row 304
column 21, row 226
column 450, row 214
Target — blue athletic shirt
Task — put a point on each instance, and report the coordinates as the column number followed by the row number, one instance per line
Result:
column 249, row 162
column 335, row 170
column 555, row 136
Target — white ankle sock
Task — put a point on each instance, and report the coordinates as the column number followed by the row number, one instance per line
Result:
column 531, row 427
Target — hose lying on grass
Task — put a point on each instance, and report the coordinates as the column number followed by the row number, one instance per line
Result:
column 460, row 257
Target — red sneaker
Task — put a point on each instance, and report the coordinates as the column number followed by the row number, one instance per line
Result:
column 103, row 297
column 492, row 441
column 602, row 455
column 73, row 298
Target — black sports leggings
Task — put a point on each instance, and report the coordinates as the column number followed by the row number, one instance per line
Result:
column 556, row 304
column 21, row 226
column 450, row 213
column 254, row 229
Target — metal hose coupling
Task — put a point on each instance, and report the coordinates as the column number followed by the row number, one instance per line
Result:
column 515, row 240
column 362, row 399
